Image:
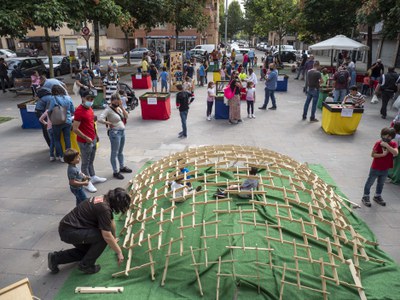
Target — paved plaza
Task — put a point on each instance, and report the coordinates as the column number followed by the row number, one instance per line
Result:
column 35, row 195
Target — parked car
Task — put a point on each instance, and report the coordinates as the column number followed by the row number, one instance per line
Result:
column 26, row 66
column 24, row 52
column 239, row 54
column 206, row 47
column 6, row 53
column 61, row 65
column 136, row 53
column 299, row 54
column 199, row 54
column 286, row 56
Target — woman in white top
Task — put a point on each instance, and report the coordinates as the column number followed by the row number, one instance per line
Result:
column 252, row 77
column 114, row 117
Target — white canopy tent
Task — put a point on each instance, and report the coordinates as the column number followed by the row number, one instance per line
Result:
column 339, row 42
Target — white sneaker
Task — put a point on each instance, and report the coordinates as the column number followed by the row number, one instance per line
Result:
column 209, row 118
column 52, row 158
column 254, row 116
column 249, row 116
column 96, row 179
column 91, row 188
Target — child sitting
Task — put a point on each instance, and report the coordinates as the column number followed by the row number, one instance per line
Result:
column 354, row 98
column 124, row 98
column 366, row 84
column 329, row 98
column 76, row 178
column 247, row 185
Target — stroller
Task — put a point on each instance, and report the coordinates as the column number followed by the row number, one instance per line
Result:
column 132, row 100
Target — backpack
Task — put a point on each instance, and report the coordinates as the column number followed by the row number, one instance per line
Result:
column 58, row 115
column 341, row 78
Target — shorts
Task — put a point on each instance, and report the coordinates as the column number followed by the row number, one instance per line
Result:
column 154, row 83
column 164, row 85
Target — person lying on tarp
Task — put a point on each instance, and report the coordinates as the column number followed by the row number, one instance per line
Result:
column 177, row 183
column 247, row 185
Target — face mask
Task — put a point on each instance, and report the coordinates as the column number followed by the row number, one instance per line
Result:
column 271, row 69
column 88, row 103
column 85, row 72
column 114, row 105
column 386, row 140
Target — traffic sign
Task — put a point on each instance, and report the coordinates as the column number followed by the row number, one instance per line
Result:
column 86, row 37
column 85, row 30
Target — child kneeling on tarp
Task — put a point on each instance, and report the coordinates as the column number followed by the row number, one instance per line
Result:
column 247, row 185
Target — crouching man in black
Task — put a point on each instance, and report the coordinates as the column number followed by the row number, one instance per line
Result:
column 90, row 227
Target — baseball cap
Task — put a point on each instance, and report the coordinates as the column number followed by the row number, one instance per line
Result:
column 88, row 93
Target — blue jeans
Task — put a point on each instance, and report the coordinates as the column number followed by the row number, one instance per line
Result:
column 311, row 94
column 117, row 140
column 373, row 175
column 184, row 115
column 66, row 130
column 338, row 95
column 269, row 93
column 88, row 154
column 79, row 193
column 51, row 137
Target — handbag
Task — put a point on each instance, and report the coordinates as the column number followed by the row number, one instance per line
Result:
column 228, row 93
column 396, row 103
column 374, row 99
column 58, row 115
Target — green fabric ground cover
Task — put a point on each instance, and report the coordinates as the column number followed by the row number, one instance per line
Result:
column 379, row 279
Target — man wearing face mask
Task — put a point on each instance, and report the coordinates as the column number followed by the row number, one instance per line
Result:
column 271, row 82
column 84, row 80
column 110, row 85
column 85, row 129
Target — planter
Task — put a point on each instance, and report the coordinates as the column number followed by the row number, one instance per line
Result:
column 155, row 106
column 28, row 115
column 282, row 84
column 339, row 122
column 221, row 109
column 141, row 81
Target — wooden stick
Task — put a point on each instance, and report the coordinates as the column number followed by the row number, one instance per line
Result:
column 322, row 268
column 98, row 290
column 356, row 279
column 160, row 229
column 196, row 271
column 218, row 277
column 166, row 263
column 181, row 235
column 151, row 257
column 282, row 282
column 131, row 269
column 205, row 243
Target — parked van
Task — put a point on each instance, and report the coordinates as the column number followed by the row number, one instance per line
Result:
column 208, row 47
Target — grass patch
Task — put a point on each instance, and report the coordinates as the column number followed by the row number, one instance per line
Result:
column 5, row 119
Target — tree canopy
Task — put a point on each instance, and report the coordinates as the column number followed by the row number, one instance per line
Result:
column 235, row 19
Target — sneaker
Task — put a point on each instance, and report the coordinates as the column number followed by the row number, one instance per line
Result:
column 249, row 116
column 51, row 263
column 304, row 118
column 379, row 200
column 272, row 108
column 182, row 136
column 89, row 269
column 253, row 116
column 125, row 170
column 90, row 187
column 209, row 118
column 262, row 107
column 61, row 159
column 239, row 121
column 96, row 179
column 52, row 158
column 220, row 190
column 365, row 200
column 198, row 189
column 314, row 120
column 118, row 175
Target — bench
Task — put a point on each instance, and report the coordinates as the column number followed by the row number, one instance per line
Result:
column 22, row 86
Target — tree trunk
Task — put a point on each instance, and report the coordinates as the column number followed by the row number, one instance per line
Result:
column 49, row 54
column 96, row 40
column 369, row 44
column 128, row 51
column 176, row 38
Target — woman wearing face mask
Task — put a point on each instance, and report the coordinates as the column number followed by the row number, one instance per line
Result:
column 234, row 103
column 110, row 85
column 114, row 117
column 84, row 80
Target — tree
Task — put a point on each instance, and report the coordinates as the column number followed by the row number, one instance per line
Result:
column 319, row 20
column 185, row 14
column 272, row 15
column 235, row 19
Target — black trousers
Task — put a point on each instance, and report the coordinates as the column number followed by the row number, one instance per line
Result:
column 250, row 107
column 89, row 245
column 386, row 96
column 39, row 113
column 209, row 108
column 3, row 79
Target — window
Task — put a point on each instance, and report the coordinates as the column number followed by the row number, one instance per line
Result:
column 26, row 64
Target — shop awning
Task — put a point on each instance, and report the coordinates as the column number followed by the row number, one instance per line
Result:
column 158, row 37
